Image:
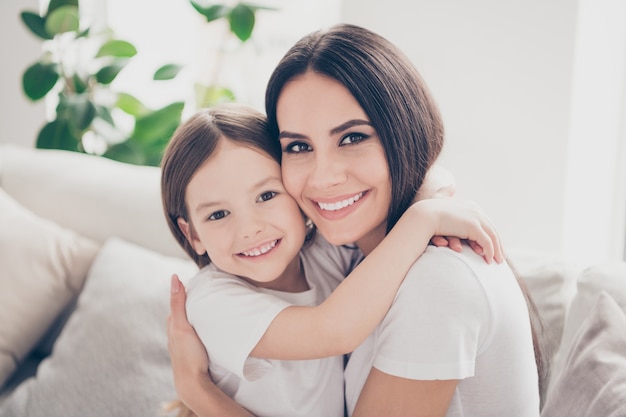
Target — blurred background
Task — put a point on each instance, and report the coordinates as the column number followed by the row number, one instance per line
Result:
column 532, row 93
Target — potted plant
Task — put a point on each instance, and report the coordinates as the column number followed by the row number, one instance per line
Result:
column 75, row 72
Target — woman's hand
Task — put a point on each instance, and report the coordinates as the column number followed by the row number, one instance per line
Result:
column 190, row 365
column 187, row 353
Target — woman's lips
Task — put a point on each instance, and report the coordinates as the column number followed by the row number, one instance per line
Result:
column 340, row 207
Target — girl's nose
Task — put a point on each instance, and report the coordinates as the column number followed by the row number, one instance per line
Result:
column 250, row 225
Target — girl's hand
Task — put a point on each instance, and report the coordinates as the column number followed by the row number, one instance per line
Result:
column 466, row 221
column 456, row 244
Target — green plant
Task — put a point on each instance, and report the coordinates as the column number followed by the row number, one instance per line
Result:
column 241, row 19
column 77, row 68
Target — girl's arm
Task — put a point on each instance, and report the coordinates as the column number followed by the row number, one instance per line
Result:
column 359, row 303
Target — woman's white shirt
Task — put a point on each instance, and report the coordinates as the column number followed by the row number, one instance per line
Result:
column 456, row 317
column 231, row 315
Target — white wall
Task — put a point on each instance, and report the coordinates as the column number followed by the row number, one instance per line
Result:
column 20, row 118
column 505, row 75
column 532, row 93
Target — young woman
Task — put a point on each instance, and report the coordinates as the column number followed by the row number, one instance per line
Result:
column 261, row 291
column 359, row 130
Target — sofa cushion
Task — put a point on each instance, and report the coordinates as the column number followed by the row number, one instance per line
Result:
column 551, row 283
column 609, row 277
column 592, row 381
column 111, row 357
column 94, row 196
column 42, row 269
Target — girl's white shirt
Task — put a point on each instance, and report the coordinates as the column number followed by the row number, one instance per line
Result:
column 456, row 317
column 231, row 315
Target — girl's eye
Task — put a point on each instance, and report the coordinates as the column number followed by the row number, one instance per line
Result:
column 268, row 195
column 297, row 147
column 218, row 215
column 353, row 138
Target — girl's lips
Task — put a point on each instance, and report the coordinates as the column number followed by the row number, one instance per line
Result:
column 339, row 208
column 260, row 250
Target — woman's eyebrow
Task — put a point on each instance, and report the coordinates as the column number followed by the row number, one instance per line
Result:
column 344, row 126
column 290, row 135
column 348, row 125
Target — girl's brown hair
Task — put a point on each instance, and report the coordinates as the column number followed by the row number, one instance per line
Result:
column 193, row 143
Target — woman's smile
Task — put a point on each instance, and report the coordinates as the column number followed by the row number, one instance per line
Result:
column 333, row 161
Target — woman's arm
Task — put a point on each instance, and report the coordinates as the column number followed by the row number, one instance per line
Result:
column 360, row 302
column 190, row 364
column 387, row 395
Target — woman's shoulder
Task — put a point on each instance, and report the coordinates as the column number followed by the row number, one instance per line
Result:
column 445, row 264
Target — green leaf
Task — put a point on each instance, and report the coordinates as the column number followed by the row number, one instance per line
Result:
column 127, row 152
column 62, row 20
column 208, row 96
column 55, row 4
column 78, row 110
column 39, row 79
column 105, row 114
column 211, row 12
column 167, row 72
column 107, row 74
column 117, row 48
column 256, row 7
column 57, row 135
column 36, row 24
column 157, row 127
column 80, row 86
column 83, row 33
column 241, row 19
column 131, row 105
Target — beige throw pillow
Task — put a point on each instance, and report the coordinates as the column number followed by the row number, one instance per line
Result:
column 42, row 268
column 592, row 382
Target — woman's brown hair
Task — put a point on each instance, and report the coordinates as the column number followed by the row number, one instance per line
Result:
column 398, row 103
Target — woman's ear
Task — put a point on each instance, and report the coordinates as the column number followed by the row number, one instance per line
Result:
column 191, row 236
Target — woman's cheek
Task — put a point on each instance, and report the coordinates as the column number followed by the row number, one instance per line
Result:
column 292, row 180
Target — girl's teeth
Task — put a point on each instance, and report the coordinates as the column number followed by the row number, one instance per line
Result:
column 340, row 204
column 261, row 250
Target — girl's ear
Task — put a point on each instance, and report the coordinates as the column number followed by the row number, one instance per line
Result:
column 191, row 236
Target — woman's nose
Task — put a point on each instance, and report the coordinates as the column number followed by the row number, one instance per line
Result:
column 327, row 171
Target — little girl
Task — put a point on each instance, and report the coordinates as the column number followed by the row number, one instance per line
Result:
column 268, row 287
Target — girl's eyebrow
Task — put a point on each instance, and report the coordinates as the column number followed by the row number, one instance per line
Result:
column 264, row 181
column 344, row 126
column 259, row 184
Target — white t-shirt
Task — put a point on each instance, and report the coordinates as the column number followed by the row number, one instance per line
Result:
column 231, row 315
column 456, row 317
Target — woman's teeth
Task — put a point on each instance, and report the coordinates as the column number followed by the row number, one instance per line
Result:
column 261, row 249
column 340, row 204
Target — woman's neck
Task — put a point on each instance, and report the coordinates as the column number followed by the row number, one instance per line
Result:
column 372, row 239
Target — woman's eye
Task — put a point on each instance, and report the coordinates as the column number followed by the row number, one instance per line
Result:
column 218, row 215
column 352, row 138
column 268, row 195
column 297, row 147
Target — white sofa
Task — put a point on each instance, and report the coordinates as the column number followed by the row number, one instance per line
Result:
column 85, row 261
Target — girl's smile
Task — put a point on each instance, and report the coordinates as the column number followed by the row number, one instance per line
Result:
column 242, row 217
